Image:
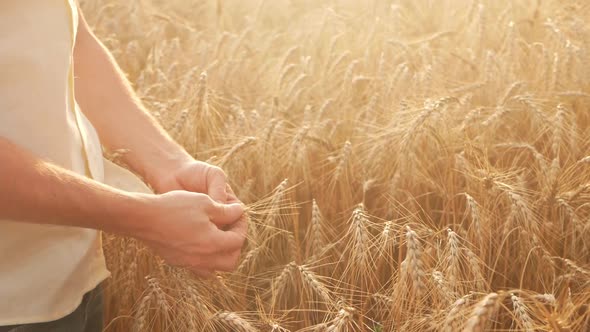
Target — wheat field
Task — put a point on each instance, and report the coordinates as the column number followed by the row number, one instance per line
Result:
column 408, row 165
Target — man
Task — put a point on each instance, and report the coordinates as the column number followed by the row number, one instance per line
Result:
column 57, row 191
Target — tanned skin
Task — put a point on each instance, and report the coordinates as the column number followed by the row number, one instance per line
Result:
column 194, row 219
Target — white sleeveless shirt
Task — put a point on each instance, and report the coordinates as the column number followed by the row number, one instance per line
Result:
column 44, row 269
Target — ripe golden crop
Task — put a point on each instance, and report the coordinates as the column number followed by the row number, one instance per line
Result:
column 408, row 165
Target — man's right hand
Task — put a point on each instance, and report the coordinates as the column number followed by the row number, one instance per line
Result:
column 193, row 231
column 185, row 228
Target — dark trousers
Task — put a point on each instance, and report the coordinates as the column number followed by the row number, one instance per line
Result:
column 86, row 318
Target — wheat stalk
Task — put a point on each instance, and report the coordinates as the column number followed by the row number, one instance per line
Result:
column 467, row 114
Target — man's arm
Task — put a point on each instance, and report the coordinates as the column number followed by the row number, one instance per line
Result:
column 109, row 102
column 107, row 99
column 35, row 191
column 183, row 227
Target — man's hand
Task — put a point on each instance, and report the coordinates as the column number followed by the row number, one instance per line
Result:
column 206, row 183
column 187, row 228
column 198, row 177
column 184, row 228
column 192, row 230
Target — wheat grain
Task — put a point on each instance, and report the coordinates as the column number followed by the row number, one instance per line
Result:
column 140, row 323
column 558, row 131
column 341, row 59
column 343, row 160
column 450, row 323
column 412, row 264
column 249, row 259
column 293, row 247
column 297, row 146
column 310, row 280
column 453, row 269
column 482, row 312
column 474, row 265
column 243, row 144
column 359, row 235
column 572, row 265
column 441, row 283
column 285, row 73
column 342, row 321
column 233, row 321
column 520, row 311
column 384, row 300
column 317, row 235
column 156, row 290
column 280, row 284
column 474, row 214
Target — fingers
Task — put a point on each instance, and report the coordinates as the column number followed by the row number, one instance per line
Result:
column 224, row 262
column 199, row 265
column 240, row 227
column 227, row 262
column 231, row 196
column 231, row 240
column 216, row 184
column 201, row 273
column 229, row 245
column 225, row 214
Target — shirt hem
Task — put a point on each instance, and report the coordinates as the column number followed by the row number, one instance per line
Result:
column 61, row 313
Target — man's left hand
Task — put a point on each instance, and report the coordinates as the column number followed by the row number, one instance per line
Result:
column 199, row 177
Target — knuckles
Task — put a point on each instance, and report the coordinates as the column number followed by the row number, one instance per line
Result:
column 228, row 263
column 209, row 248
column 234, row 260
column 203, row 200
column 216, row 170
column 205, row 266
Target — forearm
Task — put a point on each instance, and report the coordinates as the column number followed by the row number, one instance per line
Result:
column 122, row 123
column 35, row 191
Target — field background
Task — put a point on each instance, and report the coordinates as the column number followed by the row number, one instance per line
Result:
column 410, row 165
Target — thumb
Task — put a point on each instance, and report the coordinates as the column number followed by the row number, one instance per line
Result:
column 216, row 184
column 225, row 214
